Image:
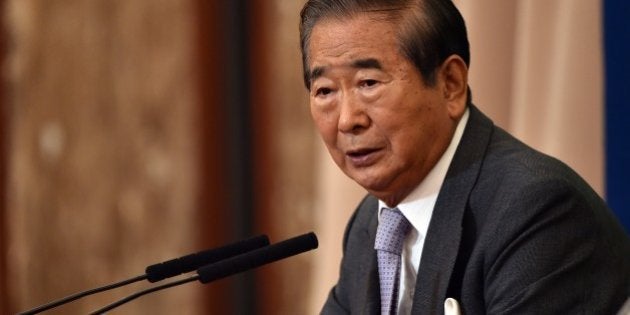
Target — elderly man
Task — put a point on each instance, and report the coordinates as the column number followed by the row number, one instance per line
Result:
column 459, row 213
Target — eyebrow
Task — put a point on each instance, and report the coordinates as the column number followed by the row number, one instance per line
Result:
column 368, row 63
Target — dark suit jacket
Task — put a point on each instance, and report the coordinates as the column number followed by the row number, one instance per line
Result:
column 513, row 232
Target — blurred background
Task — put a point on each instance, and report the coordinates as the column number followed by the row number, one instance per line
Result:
column 133, row 132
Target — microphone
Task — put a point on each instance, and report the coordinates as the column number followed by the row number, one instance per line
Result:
column 191, row 262
column 233, row 265
column 170, row 268
column 258, row 257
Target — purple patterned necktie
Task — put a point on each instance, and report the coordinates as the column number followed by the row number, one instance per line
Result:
column 392, row 228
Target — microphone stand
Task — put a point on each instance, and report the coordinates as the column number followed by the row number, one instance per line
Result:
column 233, row 265
column 143, row 292
column 167, row 269
column 79, row 295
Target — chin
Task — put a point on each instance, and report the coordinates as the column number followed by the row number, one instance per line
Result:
column 371, row 183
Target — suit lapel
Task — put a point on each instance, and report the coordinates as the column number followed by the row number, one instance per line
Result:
column 444, row 234
column 370, row 302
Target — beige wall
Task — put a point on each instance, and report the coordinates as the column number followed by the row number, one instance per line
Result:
column 537, row 71
column 290, row 210
column 101, row 165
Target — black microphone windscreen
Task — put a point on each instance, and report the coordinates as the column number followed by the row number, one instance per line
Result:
column 192, row 262
column 258, row 257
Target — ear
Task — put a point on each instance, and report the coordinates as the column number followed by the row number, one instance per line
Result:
column 454, row 77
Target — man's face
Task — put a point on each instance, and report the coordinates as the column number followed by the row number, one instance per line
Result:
column 381, row 124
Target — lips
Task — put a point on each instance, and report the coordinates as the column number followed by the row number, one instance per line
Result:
column 363, row 157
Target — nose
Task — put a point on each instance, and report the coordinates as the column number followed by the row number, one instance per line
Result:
column 353, row 117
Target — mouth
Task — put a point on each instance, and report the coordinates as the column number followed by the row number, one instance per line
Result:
column 363, row 157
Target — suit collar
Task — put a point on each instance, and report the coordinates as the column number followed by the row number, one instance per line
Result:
column 444, row 234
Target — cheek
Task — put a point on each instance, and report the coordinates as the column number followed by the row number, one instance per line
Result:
column 411, row 135
column 326, row 124
column 403, row 143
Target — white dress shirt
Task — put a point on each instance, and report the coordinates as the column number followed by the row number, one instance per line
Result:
column 417, row 207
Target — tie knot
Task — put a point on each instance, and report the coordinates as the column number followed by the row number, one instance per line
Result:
column 391, row 231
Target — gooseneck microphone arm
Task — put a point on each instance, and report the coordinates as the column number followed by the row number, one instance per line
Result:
column 144, row 292
column 79, row 295
column 163, row 270
column 233, row 265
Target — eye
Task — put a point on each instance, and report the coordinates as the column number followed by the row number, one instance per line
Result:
column 368, row 83
column 323, row 91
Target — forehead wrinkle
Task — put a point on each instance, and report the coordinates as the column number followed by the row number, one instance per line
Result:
column 332, row 50
column 334, row 44
column 335, row 49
